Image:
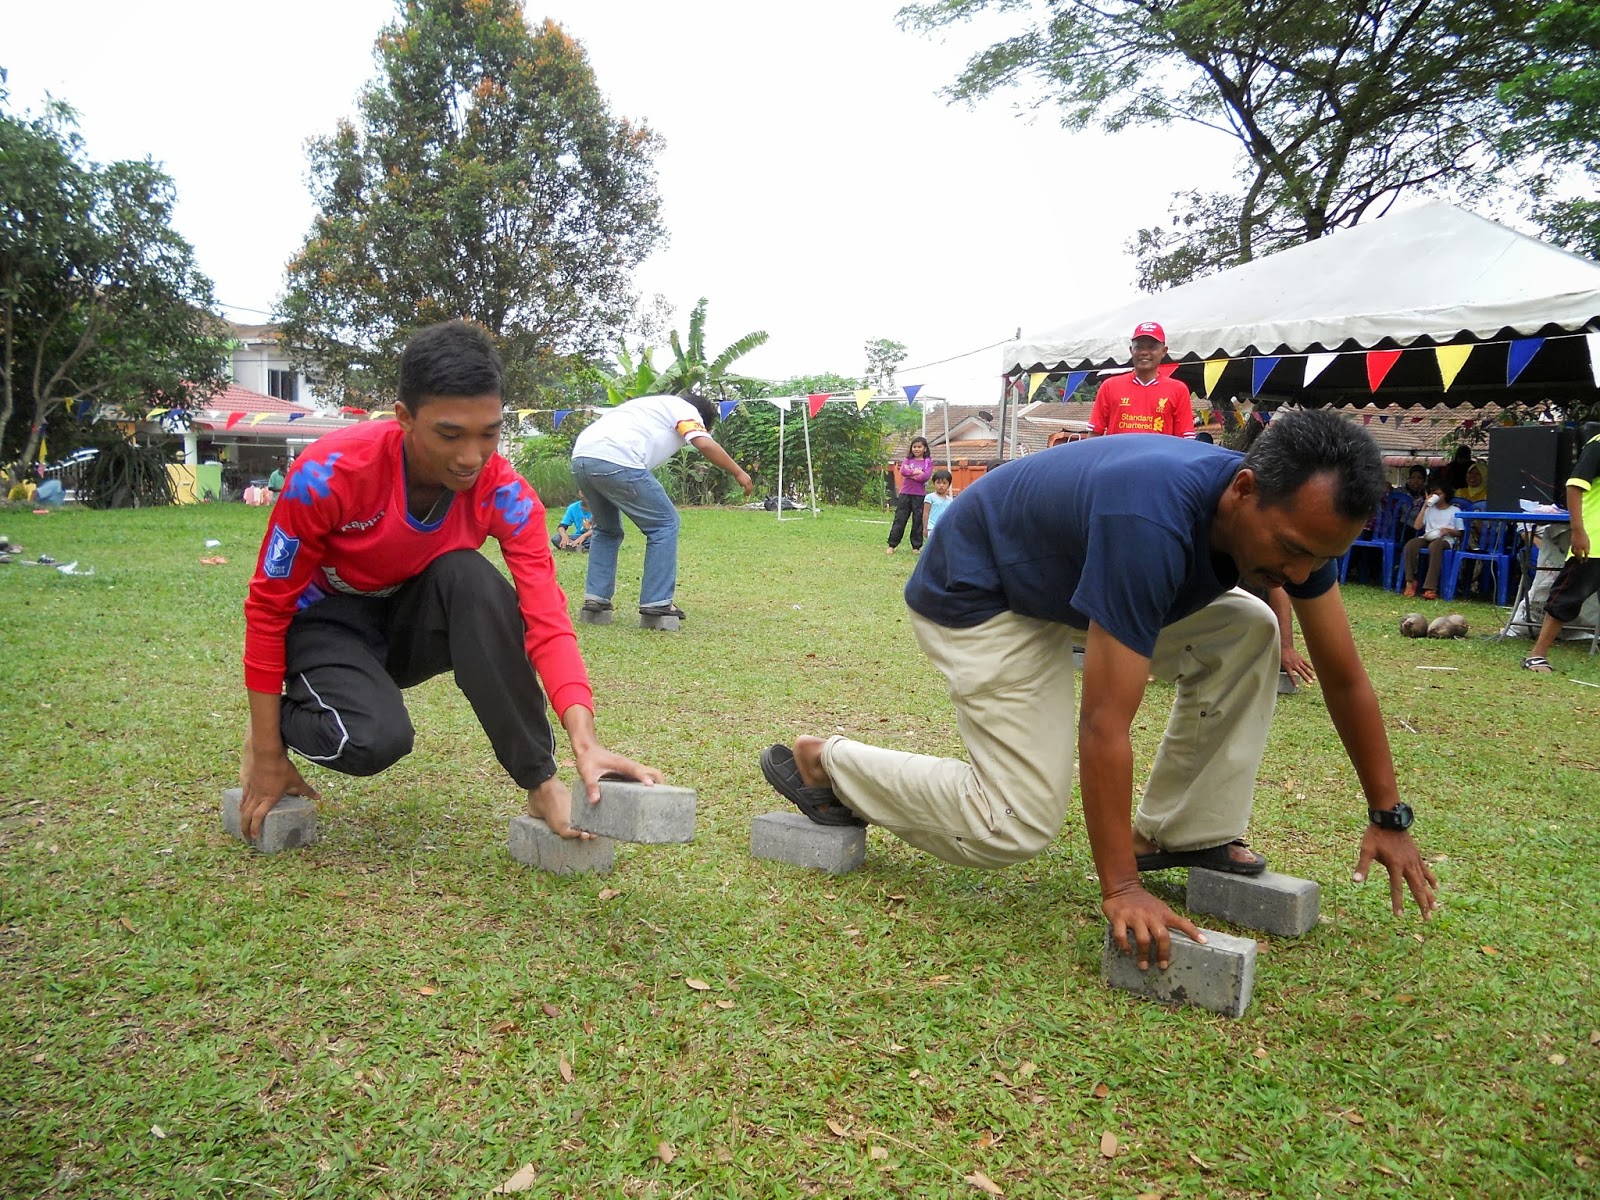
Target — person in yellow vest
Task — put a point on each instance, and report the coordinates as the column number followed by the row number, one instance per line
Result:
column 1580, row 575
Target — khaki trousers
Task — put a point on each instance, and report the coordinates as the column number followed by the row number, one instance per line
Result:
column 1011, row 680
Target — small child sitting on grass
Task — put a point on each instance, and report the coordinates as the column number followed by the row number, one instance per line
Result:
column 575, row 529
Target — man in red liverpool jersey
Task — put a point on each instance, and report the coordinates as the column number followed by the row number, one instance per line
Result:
column 1142, row 401
column 369, row 581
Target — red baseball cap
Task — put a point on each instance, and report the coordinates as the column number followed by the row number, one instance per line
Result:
column 1150, row 329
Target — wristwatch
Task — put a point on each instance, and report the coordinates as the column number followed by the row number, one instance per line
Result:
column 1398, row 817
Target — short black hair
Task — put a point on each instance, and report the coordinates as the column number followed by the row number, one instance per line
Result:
column 1301, row 443
column 941, row 473
column 452, row 358
column 708, row 409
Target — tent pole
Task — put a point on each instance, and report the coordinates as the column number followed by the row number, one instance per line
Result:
column 805, row 425
column 782, row 409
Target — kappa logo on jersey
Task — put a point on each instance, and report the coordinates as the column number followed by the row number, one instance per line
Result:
column 517, row 507
column 310, row 480
column 281, row 549
column 358, row 526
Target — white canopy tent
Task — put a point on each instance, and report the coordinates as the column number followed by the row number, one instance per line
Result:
column 1430, row 276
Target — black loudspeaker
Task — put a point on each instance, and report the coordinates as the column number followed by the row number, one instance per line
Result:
column 1529, row 462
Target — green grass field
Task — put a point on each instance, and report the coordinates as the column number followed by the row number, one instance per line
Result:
column 402, row 1011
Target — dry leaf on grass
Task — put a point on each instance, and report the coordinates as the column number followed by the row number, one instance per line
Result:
column 837, row 1129
column 565, row 1068
column 502, row 1027
column 549, row 1010
column 158, row 1131
column 1354, row 1117
column 877, row 1153
column 983, row 1183
column 724, row 1003
column 1558, row 1060
column 520, row 1182
column 698, row 985
column 610, row 893
column 427, row 991
column 666, row 1153
column 1101, row 1091
column 1490, row 950
column 128, row 925
column 1108, row 1144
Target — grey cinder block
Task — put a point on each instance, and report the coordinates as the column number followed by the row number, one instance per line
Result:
column 590, row 617
column 637, row 812
column 534, row 844
column 667, row 624
column 1217, row 976
column 288, row 825
column 1287, row 685
column 794, row 838
column 1077, row 658
column 1270, row 902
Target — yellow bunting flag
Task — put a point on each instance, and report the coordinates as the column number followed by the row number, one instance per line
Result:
column 1451, row 360
column 1035, row 378
column 259, row 417
column 154, row 413
column 378, row 416
column 1214, row 369
column 863, row 397
column 524, row 413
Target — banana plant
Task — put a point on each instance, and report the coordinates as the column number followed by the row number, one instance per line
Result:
column 691, row 372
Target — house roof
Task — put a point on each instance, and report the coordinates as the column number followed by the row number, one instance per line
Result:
column 253, row 333
column 262, row 416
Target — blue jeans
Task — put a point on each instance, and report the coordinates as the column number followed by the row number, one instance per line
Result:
column 611, row 491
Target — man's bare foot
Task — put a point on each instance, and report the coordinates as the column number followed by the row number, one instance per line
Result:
column 808, row 759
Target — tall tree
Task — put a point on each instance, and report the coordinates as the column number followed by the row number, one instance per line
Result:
column 692, row 371
column 1555, row 100
column 883, row 360
column 487, row 180
column 100, row 299
column 1337, row 109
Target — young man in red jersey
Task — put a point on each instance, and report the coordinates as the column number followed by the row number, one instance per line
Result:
column 369, row 581
column 1142, row 401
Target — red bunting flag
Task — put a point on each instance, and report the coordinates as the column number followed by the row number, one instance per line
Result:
column 349, row 410
column 815, row 401
column 1378, row 364
column 1165, row 370
column 233, row 419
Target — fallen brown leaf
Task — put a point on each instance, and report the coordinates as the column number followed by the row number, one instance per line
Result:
column 699, row 985
column 502, row 1027
column 1199, row 1162
column 1354, row 1117
column 877, row 1153
column 1101, row 1091
column 520, row 1182
column 128, row 925
column 666, row 1153
column 837, row 1129
column 565, row 1068
column 427, row 991
column 1261, row 1052
column 1594, row 1037
column 1148, row 1196
column 1489, row 950
column 610, row 893
column 983, row 1183
column 1558, row 1060
column 724, row 1003
column 549, row 1010
column 1108, row 1144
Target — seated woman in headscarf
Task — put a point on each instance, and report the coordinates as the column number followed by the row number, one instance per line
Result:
column 1476, row 487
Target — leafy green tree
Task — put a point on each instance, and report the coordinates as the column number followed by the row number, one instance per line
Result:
column 1337, row 109
column 100, row 299
column 690, row 370
column 1555, row 105
column 486, row 180
column 883, row 360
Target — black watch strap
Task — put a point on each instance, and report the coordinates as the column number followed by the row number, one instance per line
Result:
column 1398, row 817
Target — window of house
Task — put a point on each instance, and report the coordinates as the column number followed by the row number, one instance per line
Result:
column 282, row 384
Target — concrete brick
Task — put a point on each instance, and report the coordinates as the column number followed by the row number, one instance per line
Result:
column 1077, row 658
column 665, row 624
column 288, row 825
column 533, row 844
column 1217, row 976
column 1272, row 903
column 1287, row 685
column 794, row 838
column 637, row 812
column 586, row 617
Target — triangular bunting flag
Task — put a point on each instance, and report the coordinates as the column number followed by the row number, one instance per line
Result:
column 350, row 410
column 1316, row 364
column 378, row 416
column 726, row 407
column 1260, row 368
column 1451, row 360
column 1035, row 378
column 781, row 401
column 259, row 417
column 815, row 401
column 233, row 419
column 1519, row 355
column 524, row 413
column 1071, row 383
column 296, row 416
column 863, row 397
column 912, row 389
column 156, row 412
column 1366, row 418
column 1379, row 363
column 1383, row 420
column 1594, row 356
column 1214, row 370
column 1165, row 370
column 561, row 415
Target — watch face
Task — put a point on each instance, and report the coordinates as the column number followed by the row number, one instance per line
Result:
column 1398, row 817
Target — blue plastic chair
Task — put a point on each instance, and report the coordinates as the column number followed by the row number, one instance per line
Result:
column 1384, row 537
column 1497, row 547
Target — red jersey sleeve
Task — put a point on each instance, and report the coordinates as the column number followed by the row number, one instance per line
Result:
column 291, row 551
column 517, row 522
column 1100, row 414
column 1183, row 413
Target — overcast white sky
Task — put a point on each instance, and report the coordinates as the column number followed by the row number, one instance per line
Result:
column 814, row 183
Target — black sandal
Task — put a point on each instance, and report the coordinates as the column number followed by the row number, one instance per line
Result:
column 818, row 803
column 1212, row 858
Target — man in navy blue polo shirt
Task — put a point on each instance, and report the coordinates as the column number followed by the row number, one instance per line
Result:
column 1132, row 547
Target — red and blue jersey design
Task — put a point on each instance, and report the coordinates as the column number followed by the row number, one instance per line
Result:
column 341, row 525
